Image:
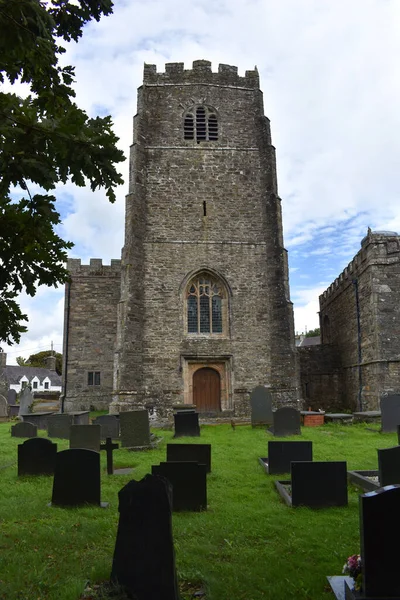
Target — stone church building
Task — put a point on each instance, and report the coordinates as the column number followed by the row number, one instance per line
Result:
column 197, row 311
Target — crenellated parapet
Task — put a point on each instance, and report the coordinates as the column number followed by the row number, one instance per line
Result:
column 376, row 247
column 175, row 73
column 94, row 268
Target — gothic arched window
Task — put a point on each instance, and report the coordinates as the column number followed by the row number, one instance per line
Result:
column 206, row 302
column 201, row 124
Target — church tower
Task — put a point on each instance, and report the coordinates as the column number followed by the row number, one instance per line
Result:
column 204, row 314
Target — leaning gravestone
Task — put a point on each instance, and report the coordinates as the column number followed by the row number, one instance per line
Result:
column 144, row 559
column 25, row 401
column 282, row 454
column 85, row 436
column 77, row 478
column 286, row 421
column 390, row 413
column 12, row 397
column 261, row 406
column 189, row 484
column 24, row 430
column 36, row 456
column 3, row 408
column 186, row 424
column 58, row 426
column 135, row 429
column 389, row 466
column 200, row 453
column 109, row 426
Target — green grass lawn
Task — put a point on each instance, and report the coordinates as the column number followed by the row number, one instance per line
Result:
column 248, row 545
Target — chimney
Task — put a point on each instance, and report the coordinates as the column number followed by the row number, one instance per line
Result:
column 50, row 362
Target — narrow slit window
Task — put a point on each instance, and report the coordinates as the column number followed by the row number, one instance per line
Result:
column 204, row 208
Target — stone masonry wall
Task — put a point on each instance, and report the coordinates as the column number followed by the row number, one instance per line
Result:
column 321, row 378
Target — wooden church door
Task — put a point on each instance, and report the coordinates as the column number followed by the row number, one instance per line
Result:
column 207, row 390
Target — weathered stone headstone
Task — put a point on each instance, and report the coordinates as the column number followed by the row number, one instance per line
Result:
column 282, row 454
column 390, row 412
column 80, row 417
column 24, row 430
column 135, row 429
column 58, row 426
column 144, row 559
column 389, row 466
column 85, row 436
column 4, row 409
column 77, row 478
column 38, row 418
column 319, row 484
column 379, row 532
column 36, row 456
column 25, row 401
column 109, row 426
column 200, row 453
column 286, row 421
column 189, row 484
column 261, row 406
column 11, row 396
column 109, row 447
column 186, row 424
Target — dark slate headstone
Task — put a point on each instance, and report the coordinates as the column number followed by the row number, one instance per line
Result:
column 286, row 421
column 389, row 466
column 37, row 418
column 390, row 412
column 200, row 453
column 144, row 559
column 58, row 426
column 379, row 532
column 85, row 436
column 25, row 401
column 281, row 454
column 36, row 456
column 24, row 430
column 76, row 478
column 109, row 426
column 261, row 406
column 12, row 397
column 80, row 417
column 135, row 429
column 189, row 484
column 186, row 424
column 319, row 484
column 4, row 408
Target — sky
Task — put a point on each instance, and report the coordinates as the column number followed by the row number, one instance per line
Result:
column 331, row 83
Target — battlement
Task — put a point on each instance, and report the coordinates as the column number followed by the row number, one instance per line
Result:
column 95, row 267
column 376, row 244
column 175, row 73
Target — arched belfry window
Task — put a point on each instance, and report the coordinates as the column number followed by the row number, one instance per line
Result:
column 201, row 124
column 206, row 302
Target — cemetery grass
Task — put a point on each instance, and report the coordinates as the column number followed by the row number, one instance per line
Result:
column 248, row 545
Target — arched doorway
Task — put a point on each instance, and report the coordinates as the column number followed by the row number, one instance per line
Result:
column 207, row 390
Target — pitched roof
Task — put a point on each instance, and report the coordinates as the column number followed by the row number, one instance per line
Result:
column 310, row 341
column 13, row 374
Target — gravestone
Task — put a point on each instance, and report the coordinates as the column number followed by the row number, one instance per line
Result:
column 319, row 484
column 389, row 466
column 285, row 421
column 85, row 436
column 80, row 417
column 144, row 559
column 109, row 447
column 36, row 456
column 186, row 424
column 390, row 413
column 135, row 429
column 12, row 397
column 58, row 426
column 4, row 408
column 200, row 453
column 77, row 478
column 25, row 401
column 189, row 484
column 281, row 454
column 109, row 426
column 24, row 430
column 38, row 418
column 261, row 406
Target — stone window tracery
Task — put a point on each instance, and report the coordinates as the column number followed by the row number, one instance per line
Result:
column 201, row 123
column 206, row 306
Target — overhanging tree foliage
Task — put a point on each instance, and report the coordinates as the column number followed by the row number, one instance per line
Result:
column 45, row 138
